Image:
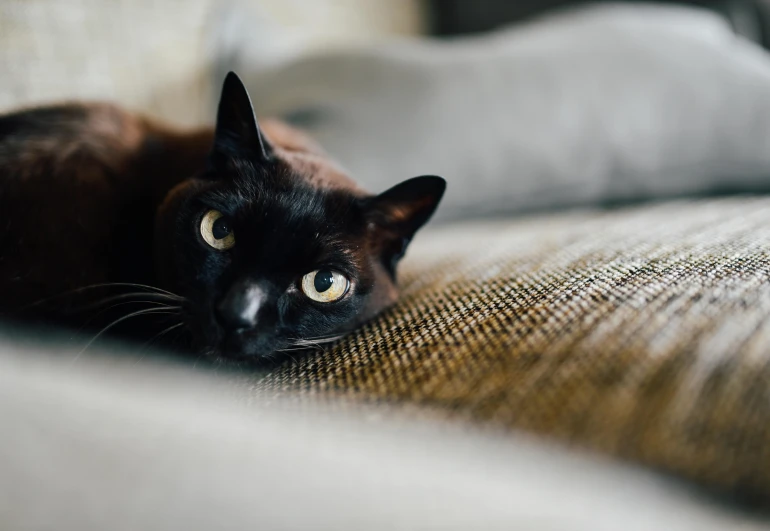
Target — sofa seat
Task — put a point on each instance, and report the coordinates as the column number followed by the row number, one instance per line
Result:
column 641, row 332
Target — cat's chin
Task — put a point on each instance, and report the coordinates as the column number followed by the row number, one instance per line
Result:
column 243, row 350
column 236, row 359
column 236, row 362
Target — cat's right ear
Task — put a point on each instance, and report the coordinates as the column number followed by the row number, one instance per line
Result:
column 237, row 133
column 396, row 214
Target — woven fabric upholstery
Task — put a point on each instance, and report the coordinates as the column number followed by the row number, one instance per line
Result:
column 642, row 333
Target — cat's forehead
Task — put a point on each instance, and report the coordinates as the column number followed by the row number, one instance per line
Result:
column 287, row 224
column 280, row 196
column 299, row 183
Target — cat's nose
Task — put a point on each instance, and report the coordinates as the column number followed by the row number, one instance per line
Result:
column 239, row 307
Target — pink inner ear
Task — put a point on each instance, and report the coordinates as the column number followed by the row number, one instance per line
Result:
column 401, row 212
column 409, row 204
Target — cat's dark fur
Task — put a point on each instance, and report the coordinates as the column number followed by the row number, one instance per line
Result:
column 94, row 199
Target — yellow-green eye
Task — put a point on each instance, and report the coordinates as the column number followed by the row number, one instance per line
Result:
column 217, row 231
column 325, row 285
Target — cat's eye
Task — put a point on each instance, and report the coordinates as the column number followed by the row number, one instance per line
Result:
column 217, row 231
column 325, row 285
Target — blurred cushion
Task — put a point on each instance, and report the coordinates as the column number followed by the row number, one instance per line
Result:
column 155, row 56
column 458, row 16
column 642, row 333
column 100, row 443
column 609, row 103
column 150, row 56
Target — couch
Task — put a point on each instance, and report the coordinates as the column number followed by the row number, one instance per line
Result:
column 580, row 368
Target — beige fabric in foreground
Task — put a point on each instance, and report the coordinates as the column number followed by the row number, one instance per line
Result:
column 642, row 333
column 104, row 444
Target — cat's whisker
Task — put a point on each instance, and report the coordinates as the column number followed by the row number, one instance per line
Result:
column 208, row 353
column 144, row 297
column 317, row 342
column 326, row 336
column 116, row 322
column 83, row 289
column 302, row 348
column 133, row 285
column 156, row 337
column 162, row 333
column 308, row 344
column 288, row 353
column 293, row 359
column 335, row 335
column 172, row 309
column 292, row 349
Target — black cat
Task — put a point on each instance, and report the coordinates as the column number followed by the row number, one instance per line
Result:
column 250, row 241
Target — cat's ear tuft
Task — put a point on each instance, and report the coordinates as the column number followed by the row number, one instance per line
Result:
column 237, row 132
column 399, row 212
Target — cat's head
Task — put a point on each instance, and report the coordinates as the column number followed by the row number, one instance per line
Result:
column 273, row 247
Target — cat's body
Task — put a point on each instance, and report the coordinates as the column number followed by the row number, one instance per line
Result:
column 94, row 199
column 74, row 179
column 71, row 178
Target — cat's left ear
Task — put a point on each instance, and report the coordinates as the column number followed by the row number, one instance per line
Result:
column 237, row 132
column 396, row 214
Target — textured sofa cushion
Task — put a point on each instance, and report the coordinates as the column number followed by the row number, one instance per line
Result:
column 644, row 333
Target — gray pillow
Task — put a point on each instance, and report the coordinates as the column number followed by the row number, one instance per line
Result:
column 594, row 105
